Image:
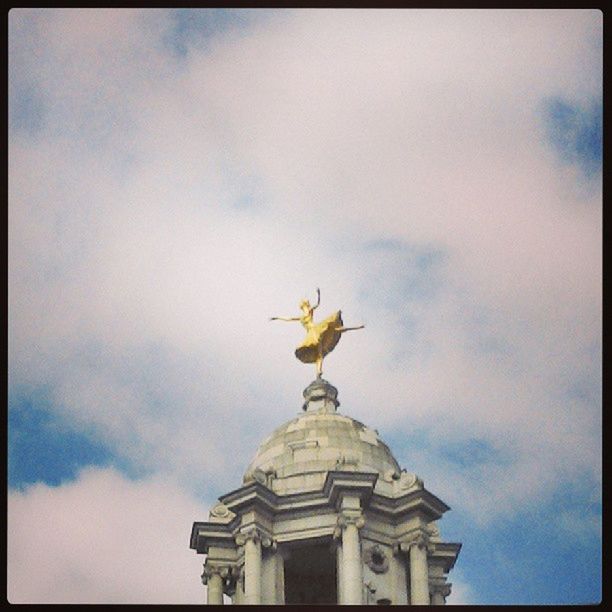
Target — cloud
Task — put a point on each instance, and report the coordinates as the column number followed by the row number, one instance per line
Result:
column 103, row 539
column 164, row 205
column 461, row 592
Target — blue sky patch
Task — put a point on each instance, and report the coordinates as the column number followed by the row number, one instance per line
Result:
column 576, row 133
column 44, row 447
column 514, row 570
column 470, row 453
column 26, row 108
column 198, row 26
column 402, row 272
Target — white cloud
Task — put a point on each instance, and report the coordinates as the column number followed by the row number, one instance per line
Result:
column 461, row 592
column 103, row 539
column 126, row 244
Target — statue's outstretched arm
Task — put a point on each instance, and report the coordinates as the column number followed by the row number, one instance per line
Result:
column 285, row 318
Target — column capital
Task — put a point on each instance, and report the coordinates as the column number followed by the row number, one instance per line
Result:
column 439, row 590
column 350, row 517
column 207, row 574
column 417, row 537
column 216, row 568
column 256, row 535
column 346, row 518
column 443, row 589
column 250, row 533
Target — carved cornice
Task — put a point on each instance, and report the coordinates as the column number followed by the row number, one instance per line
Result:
column 420, row 500
column 338, row 482
column 206, row 534
column 446, row 554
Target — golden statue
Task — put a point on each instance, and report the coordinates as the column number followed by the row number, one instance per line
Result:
column 322, row 337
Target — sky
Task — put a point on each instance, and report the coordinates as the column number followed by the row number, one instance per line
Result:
column 177, row 177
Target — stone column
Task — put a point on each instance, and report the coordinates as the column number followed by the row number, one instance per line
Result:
column 352, row 578
column 251, row 540
column 215, row 590
column 213, row 579
column 439, row 593
column 418, row 545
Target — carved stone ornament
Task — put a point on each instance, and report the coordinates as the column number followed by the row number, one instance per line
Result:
column 408, row 480
column 260, row 476
column 222, row 569
column 206, row 574
column 376, row 559
column 419, row 538
column 434, row 532
column 350, row 519
column 252, row 533
column 443, row 589
column 229, row 581
column 391, row 475
column 220, row 511
column 255, row 534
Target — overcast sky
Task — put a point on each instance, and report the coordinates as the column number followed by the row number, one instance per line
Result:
column 177, row 177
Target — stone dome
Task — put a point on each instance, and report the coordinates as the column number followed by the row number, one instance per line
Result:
column 297, row 456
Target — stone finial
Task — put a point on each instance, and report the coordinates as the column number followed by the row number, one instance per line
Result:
column 320, row 396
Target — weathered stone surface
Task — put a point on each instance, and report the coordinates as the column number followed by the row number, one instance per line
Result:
column 313, row 444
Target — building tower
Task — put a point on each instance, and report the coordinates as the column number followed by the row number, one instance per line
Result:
column 325, row 515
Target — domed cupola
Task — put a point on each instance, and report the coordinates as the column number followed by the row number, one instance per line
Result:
column 298, row 455
column 325, row 515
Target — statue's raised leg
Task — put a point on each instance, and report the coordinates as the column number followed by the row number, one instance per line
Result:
column 319, row 360
column 343, row 329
